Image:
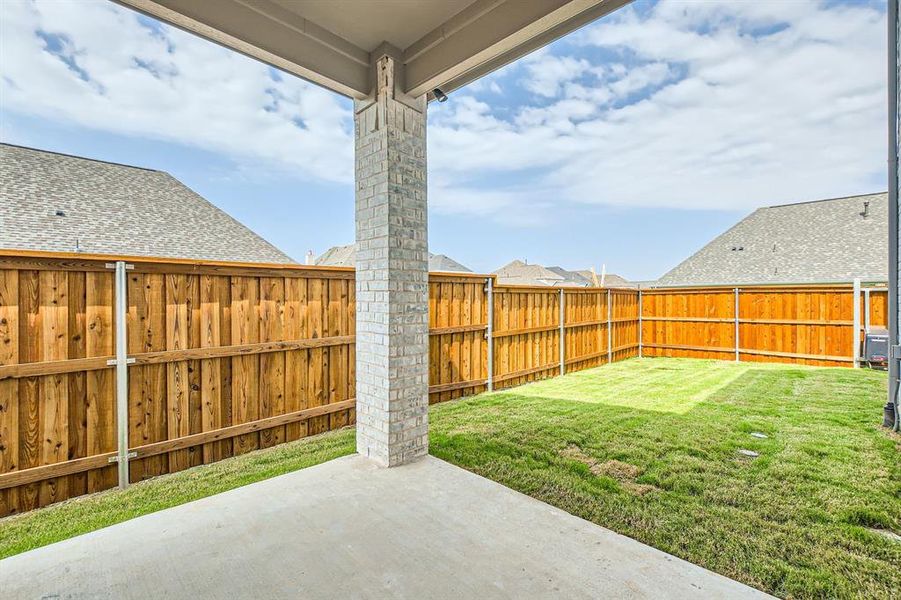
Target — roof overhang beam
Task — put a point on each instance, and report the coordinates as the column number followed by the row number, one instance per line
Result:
column 490, row 34
column 270, row 33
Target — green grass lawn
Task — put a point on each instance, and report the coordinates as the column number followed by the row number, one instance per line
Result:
column 648, row 448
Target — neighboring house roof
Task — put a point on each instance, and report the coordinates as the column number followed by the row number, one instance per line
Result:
column 610, row 279
column 521, row 273
column 337, row 256
column 570, row 278
column 822, row 241
column 442, row 262
column 344, row 256
column 62, row 203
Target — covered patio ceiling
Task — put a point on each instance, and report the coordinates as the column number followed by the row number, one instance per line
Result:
column 441, row 43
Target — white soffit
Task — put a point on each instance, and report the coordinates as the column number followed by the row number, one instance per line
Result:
column 443, row 43
column 368, row 23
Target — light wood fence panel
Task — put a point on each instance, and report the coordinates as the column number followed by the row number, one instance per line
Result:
column 878, row 308
column 688, row 323
column 458, row 350
column 526, row 335
column 586, row 319
column 804, row 326
column 624, row 312
column 810, row 325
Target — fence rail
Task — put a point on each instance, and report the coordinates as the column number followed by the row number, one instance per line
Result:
column 218, row 359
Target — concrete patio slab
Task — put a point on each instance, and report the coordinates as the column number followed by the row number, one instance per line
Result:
column 347, row 529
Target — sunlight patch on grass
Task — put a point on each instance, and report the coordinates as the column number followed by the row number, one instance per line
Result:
column 645, row 384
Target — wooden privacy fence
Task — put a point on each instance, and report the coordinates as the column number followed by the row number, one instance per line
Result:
column 523, row 340
column 218, row 359
column 221, row 359
column 812, row 325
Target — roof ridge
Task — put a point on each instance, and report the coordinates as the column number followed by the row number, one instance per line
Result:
column 825, row 200
column 226, row 215
column 67, row 155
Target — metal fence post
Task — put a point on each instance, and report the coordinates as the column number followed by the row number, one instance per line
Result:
column 489, row 333
column 562, row 334
column 737, row 356
column 121, row 363
column 609, row 327
column 855, row 350
column 866, row 310
column 640, row 353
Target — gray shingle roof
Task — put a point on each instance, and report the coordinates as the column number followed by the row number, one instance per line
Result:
column 443, row 262
column 610, row 279
column 811, row 242
column 518, row 272
column 109, row 208
column 337, row 256
column 522, row 273
column 570, row 278
column 343, row 256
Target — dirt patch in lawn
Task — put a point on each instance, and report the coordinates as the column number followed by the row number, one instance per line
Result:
column 573, row 452
column 620, row 470
column 625, row 473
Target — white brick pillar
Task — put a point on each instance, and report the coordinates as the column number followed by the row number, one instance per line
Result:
column 392, row 272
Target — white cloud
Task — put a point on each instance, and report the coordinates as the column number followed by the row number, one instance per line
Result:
column 708, row 105
column 504, row 203
column 641, row 78
column 687, row 104
column 548, row 73
column 100, row 66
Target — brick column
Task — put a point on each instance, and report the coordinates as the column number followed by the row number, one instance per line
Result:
column 392, row 273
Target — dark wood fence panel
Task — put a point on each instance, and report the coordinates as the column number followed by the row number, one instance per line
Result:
column 217, row 351
column 59, row 412
column 227, row 359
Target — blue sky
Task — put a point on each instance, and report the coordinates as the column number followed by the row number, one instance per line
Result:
column 630, row 143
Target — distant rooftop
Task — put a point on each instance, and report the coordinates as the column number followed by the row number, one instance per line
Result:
column 519, row 272
column 609, row 279
column 821, row 241
column 343, row 256
column 62, row 203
